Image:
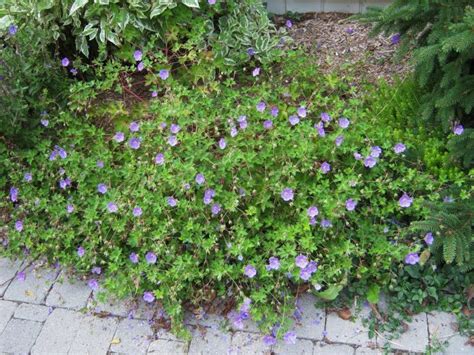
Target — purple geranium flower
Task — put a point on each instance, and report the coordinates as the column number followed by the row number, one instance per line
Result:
column 28, row 177
column 150, row 257
column 172, row 202
column 81, row 251
column 44, row 122
column 134, row 126
column 215, row 209
column 140, row 66
column 458, row 129
column 320, row 128
column 137, row 55
column 312, row 211
column 69, row 208
column 64, row 183
column 370, row 162
column 301, row 111
column 19, row 225
column 288, row 23
column 154, row 93
column 325, row 167
column 339, row 140
column 399, row 148
column 242, row 122
column 96, row 270
column 268, row 124
column 93, row 284
column 211, row 2
column 251, row 51
column 256, row 71
column 137, row 211
column 395, row 38
column 357, row 156
column 250, row 271
column 208, row 196
column 99, row 164
column 164, row 74
column 429, row 238
column 172, row 140
column 269, row 340
column 349, row 30
column 273, row 263
column 233, row 131
column 133, row 258
column 301, row 261
column 148, row 297
column 102, row 188
column 287, row 194
column 412, row 259
column 160, row 159
column 119, row 137
column 222, row 143
column 12, row 29
column 325, row 117
column 200, row 179
column 375, row 151
column 65, row 62
column 344, row 122
column 73, row 71
column 326, row 223
column 261, row 106
column 13, row 194
column 134, row 143
column 405, row 201
column 290, row 338
column 294, row 120
column 175, row 128
column 351, row 204
column 21, row 276
column 274, row 111
column 112, row 207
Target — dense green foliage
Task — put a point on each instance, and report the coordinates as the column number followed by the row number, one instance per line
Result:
column 442, row 33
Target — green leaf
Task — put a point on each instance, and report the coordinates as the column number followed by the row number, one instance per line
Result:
column 158, row 10
column 191, row 3
column 330, row 293
column 373, row 294
column 77, row 5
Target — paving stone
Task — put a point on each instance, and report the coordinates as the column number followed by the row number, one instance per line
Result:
column 458, row 345
column 348, row 331
column 415, row 339
column 440, row 325
column 32, row 312
column 94, row 335
column 116, row 307
column 58, row 333
column 310, row 320
column 8, row 270
column 302, row 347
column 133, row 336
column 210, row 342
column 68, row 293
column 34, row 288
column 368, row 351
column 19, row 336
column 6, row 312
column 205, row 320
column 249, row 343
column 168, row 347
column 332, row 349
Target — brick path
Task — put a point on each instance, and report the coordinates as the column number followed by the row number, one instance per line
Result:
column 47, row 313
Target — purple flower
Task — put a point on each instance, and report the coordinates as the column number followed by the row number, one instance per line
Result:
column 344, row 122
column 268, row 124
column 351, row 204
column 324, row 333
column 339, row 140
column 269, row 340
column 21, row 276
column 80, row 252
column 370, row 162
column 93, row 284
column 96, row 270
column 405, row 201
column 44, row 122
column 211, row 2
column 137, row 55
column 250, row 271
column 112, row 207
column 186, row 186
column 233, row 132
column 215, row 209
column 273, row 263
column 349, row 30
column 154, row 93
column 70, row 208
column 174, row 128
column 274, row 111
column 208, row 196
column 134, row 143
column 19, row 225
column 375, row 151
column 134, row 126
column 312, row 221
column 140, row 66
column 288, row 23
column 412, row 259
column 137, row 211
column 164, row 74
column 399, row 148
column 150, row 258
column 290, row 338
column 160, row 159
column 65, row 62
column 312, row 267
column 242, row 122
column 73, row 71
column 200, row 179
column 148, row 297
column 287, row 194
column 119, row 137
column 458, row 129
column 313, row 211
column 99, row 164
column 448, row 199
column 172, row 140
column 28, row 177
column 12, row 29
column 133, row 258
column 395, row 38
column 261, row 106
column 171, row 201
column 294, row 120
column 325, row 167
column 222, row 143
column 357, row 156
column 325, row 117
column 301, row 111
column 102, row 188
column 326, row 223
column 64, row 183
column 251, row 51
column 256, row 72
column 429, row 238
column 301, row 261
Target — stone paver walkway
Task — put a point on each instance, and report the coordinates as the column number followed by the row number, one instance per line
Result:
column 42, row 311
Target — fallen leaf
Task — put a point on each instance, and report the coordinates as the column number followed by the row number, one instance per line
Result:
column 115, row 341
column 344, row 313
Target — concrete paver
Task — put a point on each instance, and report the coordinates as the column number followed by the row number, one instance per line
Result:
column 33, row 312
column 19, row 336
column 68, row 294
column 6, row 312
column 133, row 336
